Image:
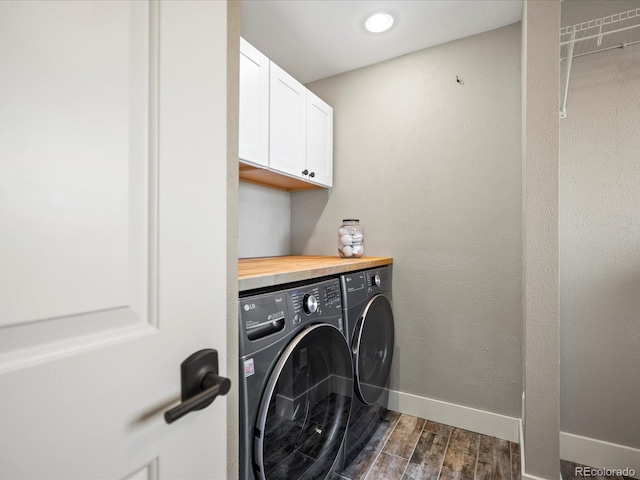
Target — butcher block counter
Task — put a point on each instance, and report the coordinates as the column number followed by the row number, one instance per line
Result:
column 270, row 271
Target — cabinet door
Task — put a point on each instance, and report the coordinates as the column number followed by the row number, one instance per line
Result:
column 254, row 105
column 319, row 141
column 288, row 132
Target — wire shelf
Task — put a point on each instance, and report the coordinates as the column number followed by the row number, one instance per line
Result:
column 613, row 31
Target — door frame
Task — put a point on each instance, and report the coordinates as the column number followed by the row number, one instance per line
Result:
column 233, row 111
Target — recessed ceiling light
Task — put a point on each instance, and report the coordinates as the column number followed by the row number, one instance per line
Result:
column 379, row 22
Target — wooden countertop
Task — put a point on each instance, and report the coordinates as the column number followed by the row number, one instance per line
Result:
column 269, row 271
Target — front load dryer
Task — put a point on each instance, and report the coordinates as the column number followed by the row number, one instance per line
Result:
column 366, row 298
column 296, row 382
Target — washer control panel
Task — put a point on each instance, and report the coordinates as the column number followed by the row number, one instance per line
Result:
column 331, row 294
column 316, row 300
column 358, row 286
column 266, row 314
column 376, row 279
column 305, row 300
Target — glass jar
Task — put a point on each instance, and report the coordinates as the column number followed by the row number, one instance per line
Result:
column 351, row 238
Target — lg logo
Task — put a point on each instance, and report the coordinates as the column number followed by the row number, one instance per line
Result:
column 249, row 306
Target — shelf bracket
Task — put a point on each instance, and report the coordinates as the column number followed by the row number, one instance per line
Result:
column 567, row 74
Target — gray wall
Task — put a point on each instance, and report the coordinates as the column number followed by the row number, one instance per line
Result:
column 540, row 154
column 599, row 240
column 432, row 169
column 265, row 221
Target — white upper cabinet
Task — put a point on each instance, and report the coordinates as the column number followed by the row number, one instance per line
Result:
column 285, row 130
column 288, row 119
column 254, row 105
column 319, row 141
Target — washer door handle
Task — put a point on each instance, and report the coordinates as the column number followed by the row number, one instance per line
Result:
column 201, row 384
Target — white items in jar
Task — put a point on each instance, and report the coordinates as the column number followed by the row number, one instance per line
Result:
column 351, row 238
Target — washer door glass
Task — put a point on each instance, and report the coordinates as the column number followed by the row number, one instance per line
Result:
column 373, row 346
column 305, row 408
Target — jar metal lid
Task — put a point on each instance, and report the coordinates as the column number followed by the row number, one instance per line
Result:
column 350, row 220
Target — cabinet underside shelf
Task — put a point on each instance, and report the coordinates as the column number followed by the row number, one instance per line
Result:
column 268, row 178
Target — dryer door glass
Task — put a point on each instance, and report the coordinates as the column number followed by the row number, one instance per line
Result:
column 374, row 349
column 305, row 409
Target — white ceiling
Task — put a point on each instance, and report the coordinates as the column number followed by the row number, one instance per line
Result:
column 313, row 39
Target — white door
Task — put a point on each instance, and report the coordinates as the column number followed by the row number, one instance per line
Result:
column 288, row 124
column 319, row 140
column 112, row 236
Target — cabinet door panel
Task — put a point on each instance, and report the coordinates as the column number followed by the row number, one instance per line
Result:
column 254, row 105
column 287, row 111
column 319, row 141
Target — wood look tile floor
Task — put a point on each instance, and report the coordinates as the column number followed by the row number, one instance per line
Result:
column 411, row 448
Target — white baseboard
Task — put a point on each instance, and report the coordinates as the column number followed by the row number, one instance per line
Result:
column 531, row 477
column 468, row 418
column 597, row 453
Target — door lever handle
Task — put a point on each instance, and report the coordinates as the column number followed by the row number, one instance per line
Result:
column 201, row 384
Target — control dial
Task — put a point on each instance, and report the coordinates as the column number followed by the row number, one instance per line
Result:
column 309, row 303
column 376, row 280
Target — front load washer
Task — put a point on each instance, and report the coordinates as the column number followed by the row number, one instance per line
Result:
column 296, row 382
column 366, row 298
